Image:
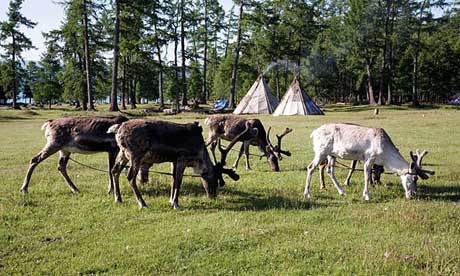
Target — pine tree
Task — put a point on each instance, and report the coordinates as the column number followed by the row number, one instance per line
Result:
column 15, row 42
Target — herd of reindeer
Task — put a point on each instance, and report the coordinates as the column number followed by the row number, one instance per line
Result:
column 144, row 142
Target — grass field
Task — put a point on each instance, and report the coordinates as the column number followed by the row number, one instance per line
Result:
column 260, row 225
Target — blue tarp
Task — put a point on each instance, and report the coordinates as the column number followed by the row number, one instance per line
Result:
column 220, row 105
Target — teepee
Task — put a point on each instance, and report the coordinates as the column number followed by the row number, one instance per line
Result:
column 297, row 102
column 258, row 100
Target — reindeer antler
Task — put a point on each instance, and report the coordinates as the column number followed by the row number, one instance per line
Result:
column 219, row 166
column 279, row 137
column 417, row 159
column 225, row 151
column 268, row 137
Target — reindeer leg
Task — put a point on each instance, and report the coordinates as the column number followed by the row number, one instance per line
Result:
column 179, row 168
column 46, row 152
column 246, row 152
column 311, row 168
column 116, row 171
column 63, row 159
column 235, row 165
column 367, row 178
column 112, row 156
column 213, row 150
column 144, row 174
column 350, row 172
column 377, row 172
column 330, row 172
column 135, row 166
column 322, row 184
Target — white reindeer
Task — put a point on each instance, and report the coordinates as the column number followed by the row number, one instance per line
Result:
column 373, row 146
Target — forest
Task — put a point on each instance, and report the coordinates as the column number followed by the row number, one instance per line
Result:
column 177, row 53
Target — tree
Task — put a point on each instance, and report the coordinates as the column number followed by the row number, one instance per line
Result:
column 30, row 78
column 89, row 85
column 116, row 53
column 237, row 56
column 15, row 42
column 47, row 87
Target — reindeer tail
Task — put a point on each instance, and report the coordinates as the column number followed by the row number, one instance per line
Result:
column 45, row 125
column 114, row 128
column 207, row 121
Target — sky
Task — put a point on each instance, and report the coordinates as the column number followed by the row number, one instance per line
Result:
column 48, row 15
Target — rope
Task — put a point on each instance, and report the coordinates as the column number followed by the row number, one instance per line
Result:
column 106, row 171
column 344, row 166
column 251, row 154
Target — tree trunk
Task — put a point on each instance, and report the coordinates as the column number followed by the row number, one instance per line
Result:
column 182, row 44
column 160, row 67
column 415, row 101
column 384, row 56
column 237, row 57
column 132, row 93
column 87, row 56
column 13, row 69
column 370, row 89
column 390, row 58
column 116, row 53
column 176, row 72
column 277, row 82
column 84, row 94
column 123, row 87
column 204, row 94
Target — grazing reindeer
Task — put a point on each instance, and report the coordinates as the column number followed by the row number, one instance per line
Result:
column 376, row 172
column 227, row 127
column 145, row 142
column 372, row 145
column 76, row 135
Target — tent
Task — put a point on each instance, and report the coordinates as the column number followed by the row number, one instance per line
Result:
column 297, row 102
column 258, row 100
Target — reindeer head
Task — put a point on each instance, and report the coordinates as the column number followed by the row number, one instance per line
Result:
column 213, row 178
column 409, row 180
column 274, row 153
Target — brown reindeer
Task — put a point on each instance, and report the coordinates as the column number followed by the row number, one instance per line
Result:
column 145, row 142
column 227, row 127
column 76, row 135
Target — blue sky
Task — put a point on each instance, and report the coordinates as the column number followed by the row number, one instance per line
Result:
column 48, row 16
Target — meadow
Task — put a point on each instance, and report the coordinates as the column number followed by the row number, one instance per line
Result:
column 260, row 225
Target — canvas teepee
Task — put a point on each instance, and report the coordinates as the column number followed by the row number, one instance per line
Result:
column 297, row 102
column 258, row 100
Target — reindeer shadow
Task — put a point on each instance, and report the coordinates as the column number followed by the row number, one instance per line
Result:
column 441, row 193
column 236, row 200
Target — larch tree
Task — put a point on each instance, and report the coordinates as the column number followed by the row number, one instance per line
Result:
column 14, row 42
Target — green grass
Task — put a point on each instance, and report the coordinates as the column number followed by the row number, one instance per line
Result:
column 260, row 225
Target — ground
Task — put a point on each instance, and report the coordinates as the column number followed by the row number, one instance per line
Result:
column 260, row 225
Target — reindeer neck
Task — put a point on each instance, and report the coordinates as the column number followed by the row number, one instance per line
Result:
column 397, row 164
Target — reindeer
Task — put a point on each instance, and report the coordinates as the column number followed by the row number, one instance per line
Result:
column 145, row 142
column 227, row 127
column 373, row 146
column 76, row 135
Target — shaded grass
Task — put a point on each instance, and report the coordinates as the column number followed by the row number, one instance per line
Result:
column 258, row 225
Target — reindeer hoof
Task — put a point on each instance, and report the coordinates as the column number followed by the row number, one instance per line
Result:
column 248, row 168
column 366, row 197
column 75, row 191
column 342, row 193
column 24, row 191
column 307, row 195
column 176, row 206
column 143, row 207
